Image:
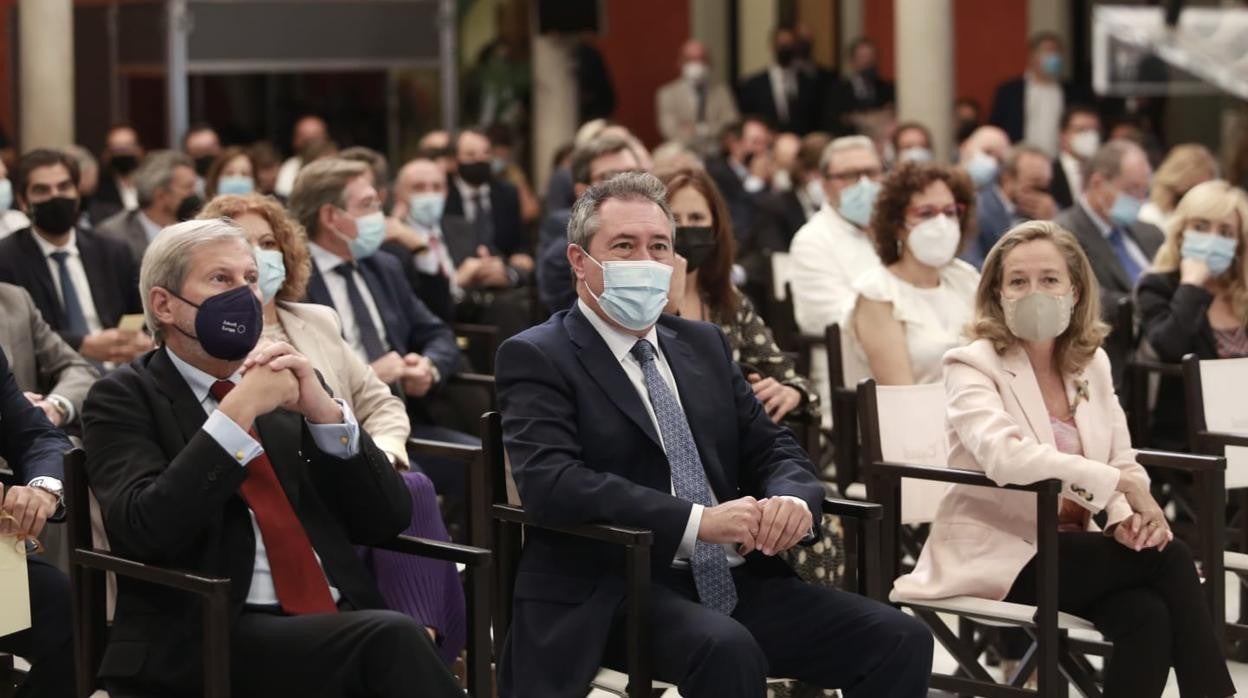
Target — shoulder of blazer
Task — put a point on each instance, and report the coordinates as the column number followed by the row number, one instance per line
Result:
column 321, row 318
column 1166, row 282
column 979, row 354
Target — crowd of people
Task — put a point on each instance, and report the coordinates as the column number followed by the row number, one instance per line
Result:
column 244, row 344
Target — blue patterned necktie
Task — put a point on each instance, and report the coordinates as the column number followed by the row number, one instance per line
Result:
column 75, row 319
column 709, row 564
column 1117, row 240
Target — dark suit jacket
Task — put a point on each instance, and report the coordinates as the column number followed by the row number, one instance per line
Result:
column 106, row 202
column 840, row 101
column 169, row 496
column 777, row 216
column 1109, row 272
column 741, row 204
column 1060, row 186
column 1009, row 110
column 39, row 359
column 126, row 227
column 434, row 290
column 555, row 286
column 410, row 325
column 110, row 268
column 583, row 449
column 754, row 97
column 994, row 220
column 509, row 233
column 29, row 444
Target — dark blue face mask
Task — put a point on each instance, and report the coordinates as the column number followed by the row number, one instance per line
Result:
column 227, row 325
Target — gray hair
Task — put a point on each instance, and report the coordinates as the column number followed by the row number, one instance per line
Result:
column 375, row 161
column 1107, row 162
column 156, row 172
column 86, row 161
column 583, row 157
column 626, row 186
column 168, row 258
column 1012, row 157
column 841, row 145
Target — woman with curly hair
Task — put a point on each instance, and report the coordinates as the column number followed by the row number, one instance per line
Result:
column 908, row 312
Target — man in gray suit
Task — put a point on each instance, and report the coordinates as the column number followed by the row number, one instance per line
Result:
column 165, row 185
column 53, row 376
column 694, row 108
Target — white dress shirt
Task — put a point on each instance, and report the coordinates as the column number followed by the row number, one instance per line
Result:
column 1133, row 249
column 231, row 437
column 1073, row 169
column 1043, row 103
column 286, row 175
column 150, row 227
column 326, row 262
column 129, row 195
column 471, row 196
column 12, row 221
column 77, row 274
column 783, row 88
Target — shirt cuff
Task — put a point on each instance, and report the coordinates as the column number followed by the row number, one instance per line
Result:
column 65, row 406
column 690, row 538
column 753, row 184
column 341, row 441
column 810, row 533
column 231, row 437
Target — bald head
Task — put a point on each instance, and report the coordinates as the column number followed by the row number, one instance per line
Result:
column 309, row 130
column 986, row 139
column 418, row 177
column 694, row 50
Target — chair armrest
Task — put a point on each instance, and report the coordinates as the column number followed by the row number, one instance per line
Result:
column 174, row 579
column 867, row 511
column 1158, row 367
column 477, row 379
column 1184, row 461
column 1223, row 438
column 807, row 342
column 438, row 550
column 619, row 535
column 959, row 477
column 443, row 449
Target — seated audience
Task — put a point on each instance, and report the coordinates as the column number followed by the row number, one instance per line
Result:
column 1079, row 140
column 82, row 283
column 981, row 154
column 695, row 107
column 423, row 237
column 121, row 157
column 833, row 248
column 428, row 590
column 309, row 136
column 503, row 164
column 491, row 205
column 1185, row 166
column 11, row 219
column 51, row 375
column 266, row 161
column 234, row 172
column 203, row 146
column 911, row 142
column 906, row 314
column 1021, row 195
column 742, row 169
column 88, row 183
column 165, row 182
column 592, row 420
column 1194, row 301
column 183, row 448
column 34, row 451
column 1032, row 397
column 862, row 94
column 780, row 214
column 1029, row 107
column 781, row 93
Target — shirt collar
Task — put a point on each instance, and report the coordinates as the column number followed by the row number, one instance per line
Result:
column 325, row 260
column 1101, row 224
column 47, row 248
column 151, row 227
column 198, row 381
column 620, row 343
column 467, row 191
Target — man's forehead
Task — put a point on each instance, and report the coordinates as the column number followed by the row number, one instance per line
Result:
column 231, row 253
column 49, row 173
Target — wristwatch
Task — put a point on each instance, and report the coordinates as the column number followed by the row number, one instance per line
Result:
column 53, row 487
column 64, row 406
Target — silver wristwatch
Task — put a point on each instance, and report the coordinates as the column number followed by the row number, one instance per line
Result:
column 53, row 487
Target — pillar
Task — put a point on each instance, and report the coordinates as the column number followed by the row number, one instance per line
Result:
column 925, row 78
column 853, row 22
column 755, row 21
column 554, row 101
column 708, row 23
column 46, row 70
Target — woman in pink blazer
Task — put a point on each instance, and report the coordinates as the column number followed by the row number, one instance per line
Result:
column 1032, row 398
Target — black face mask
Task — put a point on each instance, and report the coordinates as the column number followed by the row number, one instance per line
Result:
column 124, row 163
column 228, row 324
column 56, row 215
column 696, row 243
column 475, row 173
column 784, row 56
column 189, row 208
column 801, row 50
column 203, row 163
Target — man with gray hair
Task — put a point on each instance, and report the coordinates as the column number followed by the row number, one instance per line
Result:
column 834, row 248
column 214, row 456
column 165, row 184
column 616, row 413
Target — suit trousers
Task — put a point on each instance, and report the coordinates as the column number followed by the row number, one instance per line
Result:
column 782, row 627
column 1148, row 603
column 49, row 642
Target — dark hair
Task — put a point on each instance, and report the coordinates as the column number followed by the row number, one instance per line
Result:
column 214, row 171
column 860, row 41
column 500, row 135
column 264, row 154
column 454, row 142
column 375, row 161
column 910, row 126
column 901, row 185
column 811, row 150
column 715, row 276
column 42, row 157
column 562, row 153
column 196, row 128
column 1040, row 37
column 584, row 156
column 1070, row 112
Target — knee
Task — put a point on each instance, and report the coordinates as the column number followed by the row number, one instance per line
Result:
column 400, row 633
column 913, row 639
column 1177, row 556
column 729, row 649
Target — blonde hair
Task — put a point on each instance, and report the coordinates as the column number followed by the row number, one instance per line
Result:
column 1074, row 349
column 291, row 238
column 1177, row 169
column 1211, row 200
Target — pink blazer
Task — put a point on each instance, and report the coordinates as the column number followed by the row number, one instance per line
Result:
column 996, row 421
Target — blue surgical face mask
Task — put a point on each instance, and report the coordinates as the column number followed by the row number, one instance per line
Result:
column 1051, row 64
column 1212, row 249
column 915, row 154
column 272, row 272
column 6, row 195
column 982, row 168
column 633, row 293
column 236, row 184
column 370, row 230
column 858, row 201
column 425, row 209
column 1125, row 209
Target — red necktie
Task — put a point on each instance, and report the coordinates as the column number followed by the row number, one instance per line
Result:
column 297, row 577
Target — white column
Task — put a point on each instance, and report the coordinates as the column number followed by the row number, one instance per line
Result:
column 554, row 102
column 925, row 80
column 853, row 25
column 46, row 70
column 755, row 21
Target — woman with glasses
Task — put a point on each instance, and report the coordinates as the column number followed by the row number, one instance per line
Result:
column 908, row 312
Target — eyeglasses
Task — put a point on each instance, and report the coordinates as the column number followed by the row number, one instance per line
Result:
column 854, row 175
column 927, row 212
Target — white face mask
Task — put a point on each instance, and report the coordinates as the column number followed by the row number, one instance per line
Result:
column 694, row 71
column 934, row 242
column 814, row 190
column 1085, row 143
column 1038, row 316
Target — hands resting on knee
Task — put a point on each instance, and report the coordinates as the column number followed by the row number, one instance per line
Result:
column 770, row 525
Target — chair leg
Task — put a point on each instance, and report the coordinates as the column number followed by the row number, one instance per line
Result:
column 8, row 676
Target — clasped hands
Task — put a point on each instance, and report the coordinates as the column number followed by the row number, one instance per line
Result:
column 275, row 375
column 770, row 525
column 1147, row 526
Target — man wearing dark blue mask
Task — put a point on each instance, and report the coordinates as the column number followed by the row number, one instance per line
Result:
column 614, row 412
column 215, row 456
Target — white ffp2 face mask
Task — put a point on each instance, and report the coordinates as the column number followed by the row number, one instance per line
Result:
column 934, row 242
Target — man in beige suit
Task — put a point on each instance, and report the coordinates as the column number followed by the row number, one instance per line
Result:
column 53, row 375
column 693, row 109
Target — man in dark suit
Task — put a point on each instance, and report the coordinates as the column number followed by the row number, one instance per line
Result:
column 1080, row 139
column 489, row 203
column 382, row 319
column 1021, row 195
column 780, row 93
column 82, row 283
column 615, row 413
column 861, row 92
column 121, row 157
column 165, row 185
column 212, row 457
column 34, row 451
column 1029, row 108
column 743, row 171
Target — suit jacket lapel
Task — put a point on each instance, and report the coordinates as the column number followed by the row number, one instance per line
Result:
column 1099, row 250
column 43, row 277
column 317, row 291
column 689, row 377
column 97, row 277
column 386, row 307
column 602, row 365
column 1026, row 391
column 187, row 410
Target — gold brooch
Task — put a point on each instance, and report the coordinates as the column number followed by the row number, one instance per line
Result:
column 1081, row 394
